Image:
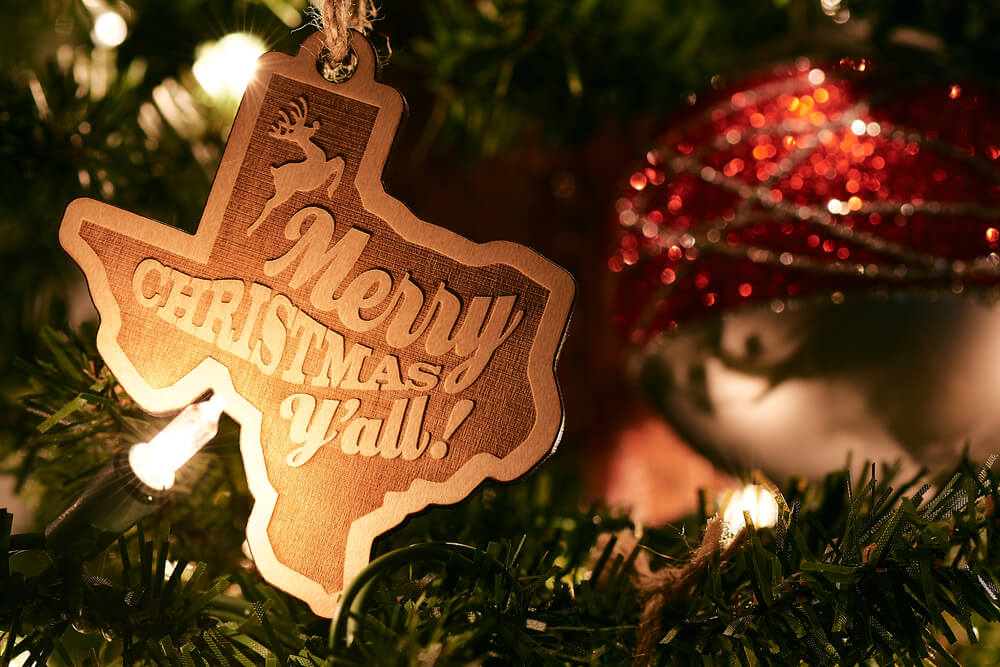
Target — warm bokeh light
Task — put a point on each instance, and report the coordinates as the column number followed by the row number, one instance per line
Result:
column 155, row 462
column 756, row 500
column 110, row 29
column 225, row 68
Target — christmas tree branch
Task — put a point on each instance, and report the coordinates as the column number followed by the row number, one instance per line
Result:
column 851, row 573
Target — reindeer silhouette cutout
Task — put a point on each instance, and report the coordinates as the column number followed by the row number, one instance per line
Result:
column 303, row 176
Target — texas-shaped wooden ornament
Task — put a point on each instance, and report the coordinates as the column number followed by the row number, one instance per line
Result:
column 377, row 364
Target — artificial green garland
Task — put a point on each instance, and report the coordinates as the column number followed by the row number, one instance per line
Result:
column 852, row 572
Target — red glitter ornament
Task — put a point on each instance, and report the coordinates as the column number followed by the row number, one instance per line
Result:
column 811, row 180
column 754, row 238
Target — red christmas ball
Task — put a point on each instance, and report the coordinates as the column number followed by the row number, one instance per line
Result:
column 788, row 262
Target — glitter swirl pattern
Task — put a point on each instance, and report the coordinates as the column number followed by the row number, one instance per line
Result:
column 813, row 181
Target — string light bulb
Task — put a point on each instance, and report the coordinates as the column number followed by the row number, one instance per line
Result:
column 754, row 499
column 156, row 462
column 133, row 484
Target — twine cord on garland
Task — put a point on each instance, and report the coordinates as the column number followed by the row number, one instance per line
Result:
column 661, row 589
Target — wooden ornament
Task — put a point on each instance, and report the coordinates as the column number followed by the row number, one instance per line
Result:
column 377, row 364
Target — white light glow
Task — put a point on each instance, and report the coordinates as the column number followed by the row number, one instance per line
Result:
column 110, row 29
column 756, row 500
column 816, row 76
column 225, row 68
column 155, row 462
column 858, row 127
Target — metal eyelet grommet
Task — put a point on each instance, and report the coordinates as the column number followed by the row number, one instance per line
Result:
column 336, row 72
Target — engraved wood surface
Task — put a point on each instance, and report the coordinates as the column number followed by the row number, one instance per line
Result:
column 376, row 363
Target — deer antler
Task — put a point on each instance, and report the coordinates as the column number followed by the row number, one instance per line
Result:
column 287, row 125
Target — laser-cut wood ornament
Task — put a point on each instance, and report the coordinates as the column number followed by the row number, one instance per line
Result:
column 377, row 364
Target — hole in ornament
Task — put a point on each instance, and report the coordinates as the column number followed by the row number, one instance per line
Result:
column 333, row 71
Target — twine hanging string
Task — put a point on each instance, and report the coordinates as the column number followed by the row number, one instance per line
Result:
column 336, row 19
column 662, row 589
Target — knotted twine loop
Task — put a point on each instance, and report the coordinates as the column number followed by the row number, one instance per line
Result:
column 337, row 18
column 660, row 590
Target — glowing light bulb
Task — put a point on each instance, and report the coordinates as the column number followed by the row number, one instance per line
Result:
column 155, row 462
column 225, row 68
column 756, row 500
column 110, row 29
